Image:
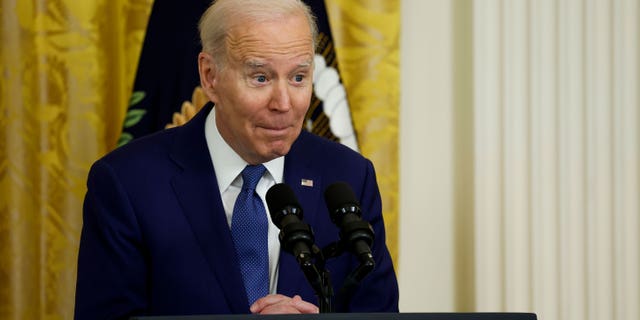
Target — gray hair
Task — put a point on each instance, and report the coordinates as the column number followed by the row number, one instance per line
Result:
column 223, row 15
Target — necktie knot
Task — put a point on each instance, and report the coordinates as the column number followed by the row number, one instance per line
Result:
column 251, row 175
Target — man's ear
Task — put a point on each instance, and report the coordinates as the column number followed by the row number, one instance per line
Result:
column 208, row 75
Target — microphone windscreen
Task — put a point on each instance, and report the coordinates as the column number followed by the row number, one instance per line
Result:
column 338, row 195
column 279, row 198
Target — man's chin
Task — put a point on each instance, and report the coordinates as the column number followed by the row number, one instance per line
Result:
column 279, row 149
column 280, row 152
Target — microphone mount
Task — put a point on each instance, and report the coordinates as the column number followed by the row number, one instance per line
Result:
column 296, row 237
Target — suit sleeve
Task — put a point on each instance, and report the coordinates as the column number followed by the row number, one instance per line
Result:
column 111, row 282
column 378, row 291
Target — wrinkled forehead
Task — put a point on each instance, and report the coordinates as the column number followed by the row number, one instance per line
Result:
column 279, row 37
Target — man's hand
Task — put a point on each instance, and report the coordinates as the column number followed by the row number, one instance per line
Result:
column 279, row 304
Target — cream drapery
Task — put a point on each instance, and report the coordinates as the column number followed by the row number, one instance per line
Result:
column 67, row 70
column 520, row 189
column 557, row 158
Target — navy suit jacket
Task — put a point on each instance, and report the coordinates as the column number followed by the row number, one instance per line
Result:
column 155, row 239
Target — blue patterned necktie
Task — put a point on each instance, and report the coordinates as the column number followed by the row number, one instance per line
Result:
column 249, row 228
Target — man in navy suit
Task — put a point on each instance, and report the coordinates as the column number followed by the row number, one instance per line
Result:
column 157, row 233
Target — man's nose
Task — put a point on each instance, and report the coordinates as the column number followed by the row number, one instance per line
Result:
column 281, row 97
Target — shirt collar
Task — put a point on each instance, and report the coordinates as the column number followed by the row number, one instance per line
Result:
column 227, row 164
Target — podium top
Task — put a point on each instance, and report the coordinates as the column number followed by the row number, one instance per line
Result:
column 357, row 316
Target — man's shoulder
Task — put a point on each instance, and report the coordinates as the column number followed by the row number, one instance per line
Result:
column 327, row 157
column 146, row 153
column 323, row 147
column 148, row 144
column 178, row 139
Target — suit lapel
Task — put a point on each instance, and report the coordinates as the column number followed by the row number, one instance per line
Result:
column 199, row 196
column 298, row 166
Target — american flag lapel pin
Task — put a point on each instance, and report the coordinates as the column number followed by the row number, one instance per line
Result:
column 306, row 182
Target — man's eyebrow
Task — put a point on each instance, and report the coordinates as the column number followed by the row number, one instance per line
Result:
column 254, row 64
column 304, row 64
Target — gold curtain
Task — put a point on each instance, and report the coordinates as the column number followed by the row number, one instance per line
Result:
column 66, row 69
column 366, row 35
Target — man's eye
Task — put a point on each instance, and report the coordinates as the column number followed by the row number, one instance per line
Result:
column 298, row 78
column 261, row 79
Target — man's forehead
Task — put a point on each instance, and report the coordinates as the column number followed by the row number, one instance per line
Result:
column 261, row 63
column 258, row 42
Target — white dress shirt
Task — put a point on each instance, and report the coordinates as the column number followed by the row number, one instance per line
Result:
column 228, row 166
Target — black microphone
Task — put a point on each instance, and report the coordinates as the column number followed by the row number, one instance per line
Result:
column 296, row 237
column 344, row 210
